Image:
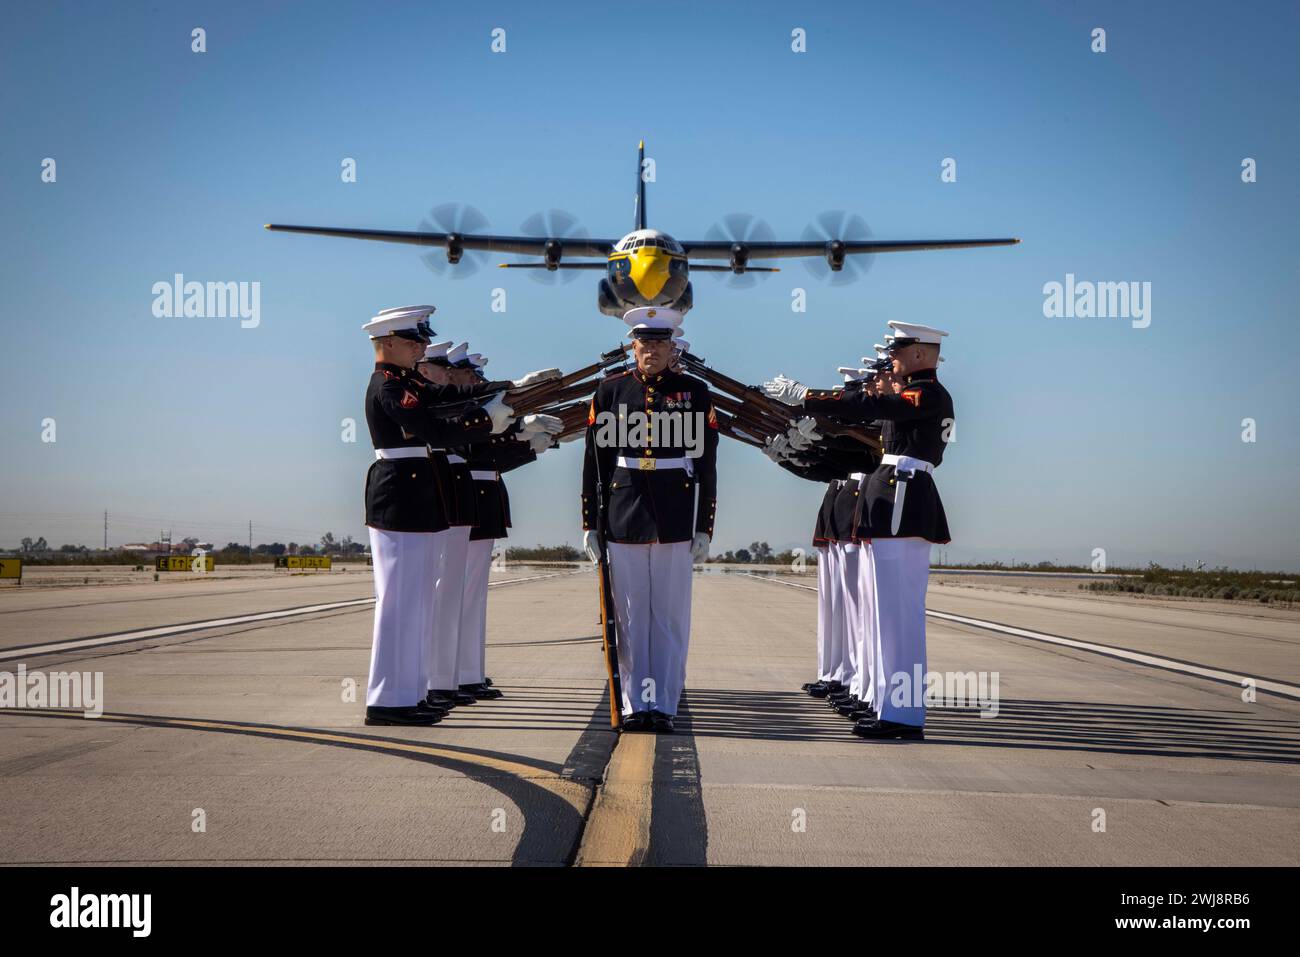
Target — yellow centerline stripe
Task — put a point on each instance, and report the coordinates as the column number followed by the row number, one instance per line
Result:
column 618, row 829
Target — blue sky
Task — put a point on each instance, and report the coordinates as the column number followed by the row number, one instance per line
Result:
column 1072, row 434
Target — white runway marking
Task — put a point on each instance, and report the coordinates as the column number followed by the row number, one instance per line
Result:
column 1125, row 654
column 167, row 630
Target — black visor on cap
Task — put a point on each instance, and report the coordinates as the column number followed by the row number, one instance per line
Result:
column 652, row 335
column 423, row 332
column 902, row 344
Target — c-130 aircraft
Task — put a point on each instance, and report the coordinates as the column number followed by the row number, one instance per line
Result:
column 648, row 267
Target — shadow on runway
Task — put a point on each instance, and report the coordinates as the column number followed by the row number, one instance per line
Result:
column 1231, row 734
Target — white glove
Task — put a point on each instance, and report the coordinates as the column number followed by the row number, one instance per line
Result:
column 699, row 547
column 502, row 414
column 807, row 427
column 541, row 375
column 798, row 441
column 785, row 390
column 590, row 546
column 780, row 445
column 769, row 451
column 537, row 422
column 540, row 442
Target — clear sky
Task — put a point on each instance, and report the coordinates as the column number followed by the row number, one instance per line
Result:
column 1072, row 433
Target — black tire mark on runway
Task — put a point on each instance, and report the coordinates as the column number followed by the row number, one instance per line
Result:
column 679, row 829
column 274, row 615
column 1132, row 656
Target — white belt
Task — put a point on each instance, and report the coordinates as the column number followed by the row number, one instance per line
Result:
column 484, row 476
column 906, row 463
column 653, row 465
column 857, row 476
column 904, row 466
column 451, row 457
column 407, row 452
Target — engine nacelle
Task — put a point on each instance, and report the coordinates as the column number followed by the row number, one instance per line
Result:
column 607, row 302
column 551, row 254
column 739, row 257
column 455, row 248
column 835, row 255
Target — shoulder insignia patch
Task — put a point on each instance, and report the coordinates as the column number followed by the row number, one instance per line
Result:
column 409, row 400
column 913, row 396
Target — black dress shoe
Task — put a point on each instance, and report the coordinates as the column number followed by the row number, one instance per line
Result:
column 820, row 690
column 888, row 729
column 637, row 721
column 438, row 699
column 456, row 697
column 846, row 708
column 809, row 685
column 482, row 692
column 488, row 682
column 864, row 713
column 661, row 723
column 411, row 716
column 440, row 710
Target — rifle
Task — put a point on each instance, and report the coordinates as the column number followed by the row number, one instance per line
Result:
column 608, row 620
column 531, row 398
column 764, row 403
column 728, row 426
column 753, row 419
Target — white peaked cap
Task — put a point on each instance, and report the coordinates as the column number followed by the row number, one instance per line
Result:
column 477, row 360
column 917, row 333
column 681, row 345
column 458, row 354
column 437, row 350
column 403, row 310
column 399, row 319
column 644, row 313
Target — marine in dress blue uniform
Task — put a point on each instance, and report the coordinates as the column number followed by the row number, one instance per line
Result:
column 653, row 493
column 899, row 513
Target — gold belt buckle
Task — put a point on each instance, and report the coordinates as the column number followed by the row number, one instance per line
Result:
column 646, row 465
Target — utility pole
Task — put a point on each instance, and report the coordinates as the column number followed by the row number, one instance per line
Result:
column 250, row 541
column 105, row 529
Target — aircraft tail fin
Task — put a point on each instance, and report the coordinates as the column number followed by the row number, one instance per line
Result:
column 640, row 186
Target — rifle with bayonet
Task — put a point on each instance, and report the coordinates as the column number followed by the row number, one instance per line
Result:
column 755, row 398
column 532, row 398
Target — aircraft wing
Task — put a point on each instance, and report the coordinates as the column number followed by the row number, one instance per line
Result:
column 519, row 245
column 714, row 249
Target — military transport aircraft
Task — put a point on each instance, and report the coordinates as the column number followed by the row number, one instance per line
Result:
column 648, row 267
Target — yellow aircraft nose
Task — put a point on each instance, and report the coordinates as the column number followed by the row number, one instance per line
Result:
column 649, row 270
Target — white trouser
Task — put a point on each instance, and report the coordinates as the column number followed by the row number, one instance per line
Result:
column 403, row 565
column 835, row 657
column 825, row 613
column 849, row 560
column 448, row 588
column 901, row 572
column 472, row 657
column 868, row 637
column 651, row 587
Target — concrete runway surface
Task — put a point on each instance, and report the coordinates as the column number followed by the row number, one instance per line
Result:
column 225, row 704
